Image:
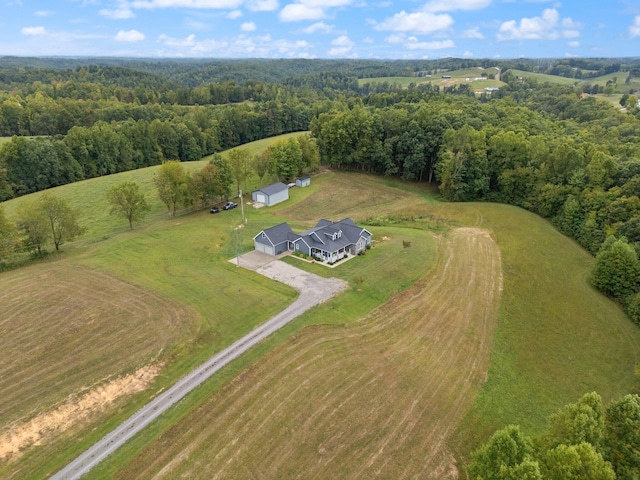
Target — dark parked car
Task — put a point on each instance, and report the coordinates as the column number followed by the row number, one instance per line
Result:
column 214, row 210
column 229, row 205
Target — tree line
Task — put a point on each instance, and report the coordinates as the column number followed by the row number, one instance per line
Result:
column 29, row 165
column 572, row 160
column 51, row 220
column 585, row 440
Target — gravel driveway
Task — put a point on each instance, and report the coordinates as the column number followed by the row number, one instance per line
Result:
column 313, row 291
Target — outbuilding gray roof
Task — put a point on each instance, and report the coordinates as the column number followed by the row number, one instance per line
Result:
column 273, row 188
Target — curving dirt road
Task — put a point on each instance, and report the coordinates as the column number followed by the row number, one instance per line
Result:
column 313, row 291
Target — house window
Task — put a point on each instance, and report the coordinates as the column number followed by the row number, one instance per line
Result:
column 264, row 235
column 297, row 246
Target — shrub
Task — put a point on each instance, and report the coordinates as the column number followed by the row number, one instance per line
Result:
column 406, row 243
column 633, row 309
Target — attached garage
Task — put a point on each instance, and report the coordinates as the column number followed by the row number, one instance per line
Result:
column 261, row 247
column 274, row 240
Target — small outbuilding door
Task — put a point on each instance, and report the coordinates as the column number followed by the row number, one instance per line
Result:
column 261, row 198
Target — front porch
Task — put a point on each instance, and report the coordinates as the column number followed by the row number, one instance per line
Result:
column 329, row 257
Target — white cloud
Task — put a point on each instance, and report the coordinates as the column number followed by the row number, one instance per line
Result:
column 451, row 5
column 295, row 12
column 341, row 46
column 33, row 31
column 177, row 42
column 473, row 33
column 310, row 9
column 634, row 29
column 368, row 40
column 396, row 38
column 571, row 29
column 413, row 44
column 262, row 5
column 319, row 27
column 467, row 54
column 130, row 36
column 248, row 26
column 242, row 45
column 199, row 4
column 419, row 22
column 43, row 13
column 574, row 44
column 546, row 27
column 343, row 41
column 233, row 14
column 117, row 14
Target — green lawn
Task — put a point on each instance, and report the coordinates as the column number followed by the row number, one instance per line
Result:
column 458, row 77
column 89, row 197
column 557, row 337
column 619, row 77
column 543, row 77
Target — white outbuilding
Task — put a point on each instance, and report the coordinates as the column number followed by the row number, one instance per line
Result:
column 271, row 194
column 303, row 181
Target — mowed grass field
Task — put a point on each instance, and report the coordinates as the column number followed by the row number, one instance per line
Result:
column 416, row 322
column 167, row 272
column 618, row 77
column 376, row 397
column 402, row 391
column 104, row 308
column 457, row 77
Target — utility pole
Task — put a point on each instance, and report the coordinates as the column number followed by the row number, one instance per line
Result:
column 244, row 220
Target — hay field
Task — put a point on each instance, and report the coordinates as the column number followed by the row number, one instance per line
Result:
column 378, row 397
column 76, row 344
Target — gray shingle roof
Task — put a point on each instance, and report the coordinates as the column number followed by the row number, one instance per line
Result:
column 280, row 233
column 351, row 233
column 273, row 188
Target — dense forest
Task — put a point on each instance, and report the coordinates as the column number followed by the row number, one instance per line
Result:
column 550, row 148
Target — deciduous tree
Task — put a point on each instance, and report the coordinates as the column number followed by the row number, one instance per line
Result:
column 578, row 422
column 576, row 462
column 33, row 227
column 128, row 201
column 240, row 162
column 285, row 158
column 617, row 270
column 622, row 434
column 506, row 452
column 61, row 219
column 171, row 182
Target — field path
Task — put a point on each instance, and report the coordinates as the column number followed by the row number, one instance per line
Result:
column 313, row 291
column 378, row 398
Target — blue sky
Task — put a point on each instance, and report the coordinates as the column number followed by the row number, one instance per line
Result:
column 321, row 28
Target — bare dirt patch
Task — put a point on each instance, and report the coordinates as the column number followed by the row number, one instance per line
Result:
column 379, row 398
column 76, row 409
column 64, row 327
